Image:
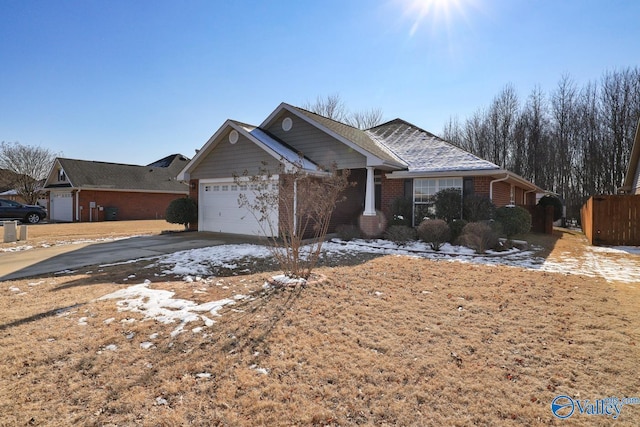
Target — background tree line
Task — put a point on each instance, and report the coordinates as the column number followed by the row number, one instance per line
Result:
column 574, row 141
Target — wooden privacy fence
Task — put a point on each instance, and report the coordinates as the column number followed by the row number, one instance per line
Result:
column 612, row 220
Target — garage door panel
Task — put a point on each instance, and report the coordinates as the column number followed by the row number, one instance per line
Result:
column 220, row 210
column 61, row 207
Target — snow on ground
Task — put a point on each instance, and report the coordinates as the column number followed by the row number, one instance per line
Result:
column 159, row 305
column 613, row 264
column 19, row 248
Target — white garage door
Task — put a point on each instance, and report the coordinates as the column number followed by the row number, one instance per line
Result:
column 61, row 206
column 220, row 212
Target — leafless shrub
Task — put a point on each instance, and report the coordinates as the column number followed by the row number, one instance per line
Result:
column 435, row 232
column 400, row 234
column 304, row 201
column 479, row 236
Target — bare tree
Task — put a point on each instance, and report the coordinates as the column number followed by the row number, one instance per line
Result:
column 304, row 201
column 30, row 164
column 334, row 108
column 331, row 107
column 577, row 143
column 365, row 119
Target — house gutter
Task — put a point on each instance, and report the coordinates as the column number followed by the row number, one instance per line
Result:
column 506, row 177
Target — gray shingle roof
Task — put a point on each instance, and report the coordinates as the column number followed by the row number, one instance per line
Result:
column 355, row 135
column 424, row 151
column 103, row 175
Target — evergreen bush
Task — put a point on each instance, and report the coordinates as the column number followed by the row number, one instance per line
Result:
column 448, row 204
column 401, row 209
column 456, row 227
column 514, row 220
column 551, row 200
column 182, row 211
column 478, row 208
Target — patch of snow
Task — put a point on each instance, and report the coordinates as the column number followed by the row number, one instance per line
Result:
column 111, row 347
column 159, row 304
column 200, row 261
column 82, row 321
column 259, row 370
column 16, row 248
column 146, row 345
column 14, row 289
column 203, row 375
column 284, row 280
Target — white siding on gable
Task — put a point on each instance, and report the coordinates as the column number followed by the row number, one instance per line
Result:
column 227, row 159
column 316, row 145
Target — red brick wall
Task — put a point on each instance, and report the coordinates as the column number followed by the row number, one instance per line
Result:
column 130, row 205
column 194, row 191
column 391, row 189
column 501, row 193
column 481, row 185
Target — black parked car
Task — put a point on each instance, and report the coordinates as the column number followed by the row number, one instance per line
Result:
column 32, row 214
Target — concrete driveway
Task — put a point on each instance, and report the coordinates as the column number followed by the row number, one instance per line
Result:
column 35, row 262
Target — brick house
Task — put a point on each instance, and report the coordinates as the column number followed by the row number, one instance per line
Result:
column 89, row 191
column 395, row 159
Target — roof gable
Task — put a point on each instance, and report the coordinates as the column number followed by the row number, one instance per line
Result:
column 273, row 146
column 424, row 151
column 353, row 137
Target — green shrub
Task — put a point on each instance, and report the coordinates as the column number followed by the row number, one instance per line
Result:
column 348, row 232
column 479, row 236
column 550, row 200
column 182, row 211
column 435, row 232
column 456, row 227
column 478, row 208
column 514, row 220
column 448, row 203
column 401, row 208
column 400, row 234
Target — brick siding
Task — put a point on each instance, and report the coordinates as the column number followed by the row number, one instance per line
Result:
column 391, row 190
column 129, row 205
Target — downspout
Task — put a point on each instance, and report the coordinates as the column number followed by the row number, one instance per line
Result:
column 491, row 185
column 78, row 205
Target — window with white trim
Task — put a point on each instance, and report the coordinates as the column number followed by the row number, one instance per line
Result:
column 424, row 190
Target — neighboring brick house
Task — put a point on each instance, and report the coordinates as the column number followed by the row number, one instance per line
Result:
column 395, row 159
column 88, row 191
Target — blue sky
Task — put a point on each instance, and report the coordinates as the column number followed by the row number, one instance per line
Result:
column 133, row 81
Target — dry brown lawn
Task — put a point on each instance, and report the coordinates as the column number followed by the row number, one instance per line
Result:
column 391, row 341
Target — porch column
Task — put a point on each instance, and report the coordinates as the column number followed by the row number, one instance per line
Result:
column 369, row 196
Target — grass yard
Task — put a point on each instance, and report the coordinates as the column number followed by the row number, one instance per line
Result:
column 393, row 340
